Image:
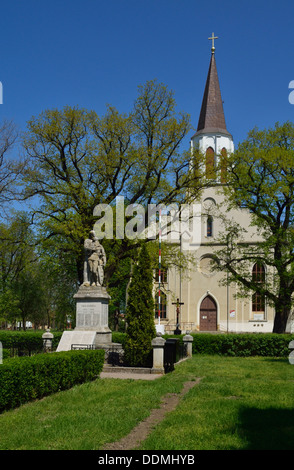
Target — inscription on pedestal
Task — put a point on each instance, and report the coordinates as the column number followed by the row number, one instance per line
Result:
column 91, row 314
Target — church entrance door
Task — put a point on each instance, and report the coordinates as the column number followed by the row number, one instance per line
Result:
column 208, row 314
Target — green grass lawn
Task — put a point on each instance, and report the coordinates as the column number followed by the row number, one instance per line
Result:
column 240, row 403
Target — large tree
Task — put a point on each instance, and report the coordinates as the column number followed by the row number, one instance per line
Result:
column 78, row 160
column 17, row 273
column 261, row 180
column 34, row 283
column 10, row 166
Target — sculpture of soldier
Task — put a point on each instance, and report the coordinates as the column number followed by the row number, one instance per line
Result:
column 95, row 260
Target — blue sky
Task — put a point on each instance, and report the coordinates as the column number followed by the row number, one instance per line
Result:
column 93, row 52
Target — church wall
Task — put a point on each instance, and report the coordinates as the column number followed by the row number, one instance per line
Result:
column 191, row 287
column 233, row 314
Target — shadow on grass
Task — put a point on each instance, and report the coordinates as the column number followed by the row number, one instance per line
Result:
column 269, row 429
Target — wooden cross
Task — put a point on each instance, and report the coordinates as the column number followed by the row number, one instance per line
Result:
column 213, row 37
column 178, row 303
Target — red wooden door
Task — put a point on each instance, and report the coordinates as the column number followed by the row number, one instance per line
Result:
column 208, row 314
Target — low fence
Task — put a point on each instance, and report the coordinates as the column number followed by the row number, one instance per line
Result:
column 114, row 356
column 174, row 351
column 165, row 354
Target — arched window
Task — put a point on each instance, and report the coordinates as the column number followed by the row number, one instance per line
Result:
column 209, row 226
column 209, row 203
column 258, row 273
column 223, row 165
column 258, row 304
column 258, row 300
column 162, row 305
column 210, row 163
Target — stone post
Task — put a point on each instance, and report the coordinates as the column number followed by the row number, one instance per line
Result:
column 47, row 341
column 188, row 340
column 158, row 355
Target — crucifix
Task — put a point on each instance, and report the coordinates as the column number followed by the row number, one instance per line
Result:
column 213, row 37
column 177, row 331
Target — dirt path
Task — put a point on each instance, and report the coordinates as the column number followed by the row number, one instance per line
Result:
column 141, row 431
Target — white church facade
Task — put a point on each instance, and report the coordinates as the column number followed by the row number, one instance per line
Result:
column 205, row 304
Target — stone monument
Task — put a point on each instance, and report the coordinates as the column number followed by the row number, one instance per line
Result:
column 91, row 303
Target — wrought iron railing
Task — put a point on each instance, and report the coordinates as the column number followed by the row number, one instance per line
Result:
column 114, row 356
column 174, row 351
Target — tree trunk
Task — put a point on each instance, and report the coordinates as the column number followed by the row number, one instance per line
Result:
column 283, row 310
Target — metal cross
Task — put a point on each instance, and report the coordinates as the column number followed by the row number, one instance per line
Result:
column 213, row 37
column 178, row 303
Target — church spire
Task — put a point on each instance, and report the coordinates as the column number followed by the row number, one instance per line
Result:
column 212, row 118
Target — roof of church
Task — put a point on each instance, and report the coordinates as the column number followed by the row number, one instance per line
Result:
column 212, row 118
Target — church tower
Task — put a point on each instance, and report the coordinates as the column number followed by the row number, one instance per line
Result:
column 212, row 137
column 207, row 303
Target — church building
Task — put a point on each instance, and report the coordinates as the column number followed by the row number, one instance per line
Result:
column 203, row 303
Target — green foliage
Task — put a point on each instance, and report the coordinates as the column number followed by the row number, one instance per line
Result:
column 233, row 344
column 242, row 345
column 28, row 378
column 17, row 261
column 78, row 160
column 26, row 341
column 261, row 180
column 119, row 337
column 140, row 312
column 6, row 353
column 33, row 282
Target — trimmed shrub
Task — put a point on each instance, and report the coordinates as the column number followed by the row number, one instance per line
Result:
column 26, row 342
column 234, row 344
column 119, row 337
column 28, row 378
column 5, row 353
column 243, row 344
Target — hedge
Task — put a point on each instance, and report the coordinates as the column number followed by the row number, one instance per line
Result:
column 27, row 378
column 243, row 344
column 234, row 344
column 26, row 341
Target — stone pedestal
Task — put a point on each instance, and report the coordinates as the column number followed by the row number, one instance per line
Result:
column 92, row 312
column 91, row 321
column 188, row 340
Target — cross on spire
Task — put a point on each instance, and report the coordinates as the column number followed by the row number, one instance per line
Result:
column 213, row 37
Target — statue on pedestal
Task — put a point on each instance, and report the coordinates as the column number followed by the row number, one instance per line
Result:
column 95, row 260
column 92, row 302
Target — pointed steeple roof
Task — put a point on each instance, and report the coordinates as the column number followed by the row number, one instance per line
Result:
column 212, row 118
